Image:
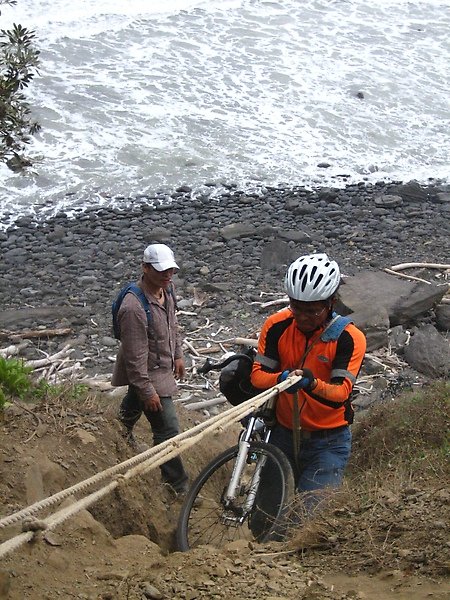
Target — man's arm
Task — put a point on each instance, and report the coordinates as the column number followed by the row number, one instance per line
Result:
column 179, row 368
column 350, row 352
column 266, row 367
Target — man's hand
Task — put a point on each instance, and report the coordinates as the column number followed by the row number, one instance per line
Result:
column 179, row 369
column 153, row 403
column 306, row 383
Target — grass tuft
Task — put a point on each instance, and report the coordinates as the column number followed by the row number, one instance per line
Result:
column 392, row 511
column 14, row 378
column 406, row 430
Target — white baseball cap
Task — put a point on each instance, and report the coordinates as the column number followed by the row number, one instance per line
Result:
column 160, row 257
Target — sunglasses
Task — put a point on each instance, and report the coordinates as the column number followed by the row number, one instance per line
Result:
column 307, row 312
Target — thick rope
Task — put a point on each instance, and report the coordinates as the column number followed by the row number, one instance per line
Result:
column 83, row 485
column 146, row 462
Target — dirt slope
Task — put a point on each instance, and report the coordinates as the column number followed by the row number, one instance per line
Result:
column 123, row 547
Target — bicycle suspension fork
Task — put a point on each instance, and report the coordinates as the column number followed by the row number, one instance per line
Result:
column 241, row 461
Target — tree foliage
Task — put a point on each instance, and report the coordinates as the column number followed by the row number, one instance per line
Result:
column 19, row 61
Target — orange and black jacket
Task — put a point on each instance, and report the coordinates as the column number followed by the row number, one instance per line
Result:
column 335, row 365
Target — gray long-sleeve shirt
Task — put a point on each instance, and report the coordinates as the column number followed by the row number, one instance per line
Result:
column 146, row 355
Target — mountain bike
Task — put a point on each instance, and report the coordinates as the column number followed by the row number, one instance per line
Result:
column 241, row 494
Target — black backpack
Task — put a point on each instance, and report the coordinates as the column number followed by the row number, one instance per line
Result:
column 234, row 379
column 133, row 288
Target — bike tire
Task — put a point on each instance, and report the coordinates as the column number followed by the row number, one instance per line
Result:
column 200, row 517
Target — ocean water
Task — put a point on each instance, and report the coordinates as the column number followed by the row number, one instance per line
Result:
column 136, row 96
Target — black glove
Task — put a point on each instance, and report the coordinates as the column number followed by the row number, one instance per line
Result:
column 304, row 383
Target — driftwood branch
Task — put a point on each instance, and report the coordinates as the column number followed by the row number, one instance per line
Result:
column 245, row 341
column 283, row 300
column 392, row 272
column 205, row 403
column 414, row 265
column 190, row 347
column 34, row 333
column 9, row 351
column 42, row 362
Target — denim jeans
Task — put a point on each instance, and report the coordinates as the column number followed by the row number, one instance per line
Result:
column 321, row 460
column 164, row 426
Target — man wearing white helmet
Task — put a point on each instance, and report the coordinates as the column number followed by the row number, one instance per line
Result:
column 309, row 339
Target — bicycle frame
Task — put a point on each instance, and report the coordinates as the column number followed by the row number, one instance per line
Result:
column 239, row 515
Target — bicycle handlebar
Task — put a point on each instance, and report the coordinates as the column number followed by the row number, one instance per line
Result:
column 211, row 366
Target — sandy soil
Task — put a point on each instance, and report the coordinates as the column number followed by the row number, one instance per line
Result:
column 123, row 547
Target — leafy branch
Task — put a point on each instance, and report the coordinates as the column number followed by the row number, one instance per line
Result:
column 19, row 62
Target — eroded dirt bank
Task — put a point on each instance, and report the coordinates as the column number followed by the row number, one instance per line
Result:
column 384, row 537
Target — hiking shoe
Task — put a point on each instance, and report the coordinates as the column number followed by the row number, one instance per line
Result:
column 134, row 444
column 181, row 490
column 178, row 492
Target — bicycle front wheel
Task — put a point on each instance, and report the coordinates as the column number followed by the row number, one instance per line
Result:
column 206, row 518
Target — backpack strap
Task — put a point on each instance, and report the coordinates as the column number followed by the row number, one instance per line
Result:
column 170, row 290
column 335, row 327
column 134, row 289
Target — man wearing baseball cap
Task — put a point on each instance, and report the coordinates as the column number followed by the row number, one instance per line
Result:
column 150, row 358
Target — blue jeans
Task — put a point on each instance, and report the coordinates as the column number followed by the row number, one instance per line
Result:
column 164, row 426
column 321, row 460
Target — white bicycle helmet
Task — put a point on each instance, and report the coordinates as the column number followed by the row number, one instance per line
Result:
column 312, row 277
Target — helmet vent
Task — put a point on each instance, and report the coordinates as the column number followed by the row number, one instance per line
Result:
column 318, row 280
column 302, row 272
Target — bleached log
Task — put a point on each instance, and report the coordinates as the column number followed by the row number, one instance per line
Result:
column 414, row 265
column 62, row 363
column 183, row 399
column 246, row 341
column 391, row 272
column 9, row 351
column 42, row 362
column 34, row 333
column 199, row 298
column 190, row 347
column 209, row 350
column 50, row 371
column 68, row 370
column 191, row 386
column 284, row 300
column 98, row 384
column 205, row 403
column 205, row 326
column 218, row 331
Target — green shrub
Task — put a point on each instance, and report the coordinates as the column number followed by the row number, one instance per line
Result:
column 3, row 401
column 404, row 430
column 68, row 390
column 14, row 377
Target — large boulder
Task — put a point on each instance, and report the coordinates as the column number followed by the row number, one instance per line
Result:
column 374, row 322
column 274, row 254
column 236, row 231
column 428, row 352
column 403, row 300
column 413, row 192
column 443, row 317
column 421, row 299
